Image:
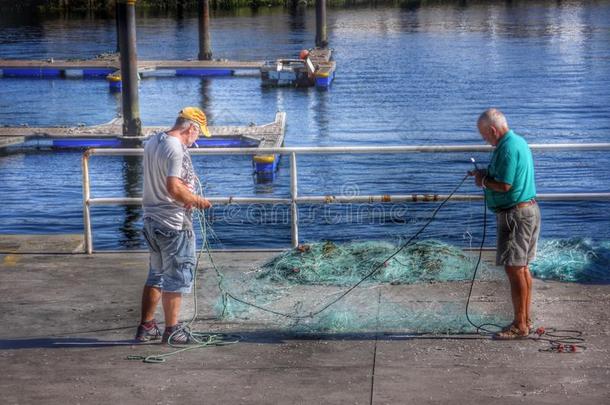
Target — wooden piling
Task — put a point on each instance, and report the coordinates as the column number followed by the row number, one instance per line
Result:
column 116, row 21
column 132, row 125
column 321, row 36
column 205, row 47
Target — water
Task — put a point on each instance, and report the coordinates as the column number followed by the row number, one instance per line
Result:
column 405, row 77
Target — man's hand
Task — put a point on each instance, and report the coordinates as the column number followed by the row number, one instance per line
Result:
column 202, row 203
column 180, row 192
column 478, row 176
column 199, row 203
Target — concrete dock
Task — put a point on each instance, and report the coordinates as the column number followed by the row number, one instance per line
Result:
column 69, row 320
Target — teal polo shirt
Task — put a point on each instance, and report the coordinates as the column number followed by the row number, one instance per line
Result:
column 511, row 163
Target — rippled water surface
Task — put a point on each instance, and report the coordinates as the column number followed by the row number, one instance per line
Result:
column 404, row 77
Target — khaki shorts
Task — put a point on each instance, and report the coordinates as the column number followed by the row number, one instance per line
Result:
column 518, row 230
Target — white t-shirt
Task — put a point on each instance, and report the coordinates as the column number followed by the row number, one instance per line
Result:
column 166, row 156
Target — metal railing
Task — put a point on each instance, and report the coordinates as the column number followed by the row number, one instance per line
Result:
column 294, row 200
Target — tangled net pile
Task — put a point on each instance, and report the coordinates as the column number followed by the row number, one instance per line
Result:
column 343, row 265
column 299, row 282
column 577, row 260
column 288, row 291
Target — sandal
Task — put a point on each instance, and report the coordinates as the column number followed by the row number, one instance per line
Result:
column 530, row 326
column 511, row 333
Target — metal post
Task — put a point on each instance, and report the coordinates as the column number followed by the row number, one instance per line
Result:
column 321, row 38
column 294, row 211
column 132, row 125
column 86, row 210
column 205, row 47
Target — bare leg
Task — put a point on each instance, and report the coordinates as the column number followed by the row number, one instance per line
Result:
column 528, row 277
column 171, row 308
column 150, row 300
column 518, row 291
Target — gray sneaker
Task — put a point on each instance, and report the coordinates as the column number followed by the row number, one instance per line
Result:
column 178, row 335
column 148, row 331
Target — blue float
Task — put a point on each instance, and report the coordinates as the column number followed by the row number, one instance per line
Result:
column 97, row 72
column 219, row 142
column 265, row 167
column 115, row 85
column 325, row 82
column 81, row 143
column 204, row 72
column 31, row 72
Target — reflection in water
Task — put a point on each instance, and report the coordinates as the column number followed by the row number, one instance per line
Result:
column 132, row 186
column 318, row 103
column 297, row 16
column 115, row 97
column 412, row 5
column 206, row 102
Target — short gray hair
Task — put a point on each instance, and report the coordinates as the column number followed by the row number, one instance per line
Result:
column 183, row 123
column 493, row 117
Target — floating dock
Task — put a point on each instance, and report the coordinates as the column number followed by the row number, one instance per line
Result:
column 109, row 65
column 108, row 135
column 325, row 68
column 103, row 66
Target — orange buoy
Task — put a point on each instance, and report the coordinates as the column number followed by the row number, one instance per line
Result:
column 304, row 54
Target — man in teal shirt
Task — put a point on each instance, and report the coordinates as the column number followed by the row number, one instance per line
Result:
column 510, row 190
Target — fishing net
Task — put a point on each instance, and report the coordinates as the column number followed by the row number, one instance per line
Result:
column 422, row 289
column 345, row 264
column 416, row 287
column 579, row 260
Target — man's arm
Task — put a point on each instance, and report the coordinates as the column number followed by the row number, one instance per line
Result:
column 179, row 192
column 483, row 180
column 494, row 185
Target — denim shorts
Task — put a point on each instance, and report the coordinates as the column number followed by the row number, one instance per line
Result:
column 518, row 231
column 172, row 257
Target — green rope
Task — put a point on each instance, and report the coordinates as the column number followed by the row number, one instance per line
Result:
column 203, row 339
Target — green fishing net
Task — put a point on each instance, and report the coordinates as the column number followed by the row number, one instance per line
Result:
column 422, row 289
column 579, row 260
column 328, row 263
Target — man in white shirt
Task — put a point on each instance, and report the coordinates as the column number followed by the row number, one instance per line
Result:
column 168, row 199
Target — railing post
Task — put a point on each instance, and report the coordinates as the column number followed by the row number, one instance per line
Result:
column 86, row 210
column 294, row 209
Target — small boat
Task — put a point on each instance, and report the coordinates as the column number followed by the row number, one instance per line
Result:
column 288, row 72
column 313, row 68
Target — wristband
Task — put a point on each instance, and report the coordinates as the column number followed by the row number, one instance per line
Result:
column 483, row 182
